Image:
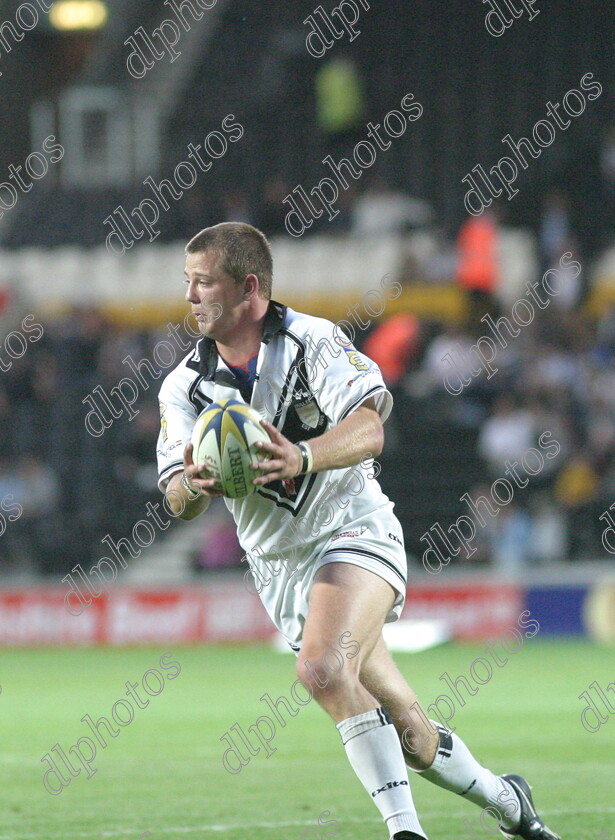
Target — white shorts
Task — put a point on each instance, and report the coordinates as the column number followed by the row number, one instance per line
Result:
column 374, row 542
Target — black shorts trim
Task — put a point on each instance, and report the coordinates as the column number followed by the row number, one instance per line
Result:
column 371, row 554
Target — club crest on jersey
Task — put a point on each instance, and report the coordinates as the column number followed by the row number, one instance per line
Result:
column 306, row 407
column 356, row 359
column 308, row 414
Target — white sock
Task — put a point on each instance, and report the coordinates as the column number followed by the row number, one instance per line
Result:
column 375, row 754
column 455, row 768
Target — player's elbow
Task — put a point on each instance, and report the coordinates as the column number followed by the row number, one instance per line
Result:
column 177, row 507
column 180, row 508
column 190, row 510
column 187, row 514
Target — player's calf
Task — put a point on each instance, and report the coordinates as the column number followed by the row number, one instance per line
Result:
column 436, row 712
column 419, row 739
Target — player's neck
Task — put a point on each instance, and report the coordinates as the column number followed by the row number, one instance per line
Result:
column 238, row 356
column 243, row 345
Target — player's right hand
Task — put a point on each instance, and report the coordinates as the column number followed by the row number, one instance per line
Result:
column 193, row 472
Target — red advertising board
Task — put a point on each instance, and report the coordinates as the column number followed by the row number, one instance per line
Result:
column 130, row 616
column 474, row 611
column 219, row 612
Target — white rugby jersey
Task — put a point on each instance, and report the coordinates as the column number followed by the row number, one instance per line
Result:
column 309, row 377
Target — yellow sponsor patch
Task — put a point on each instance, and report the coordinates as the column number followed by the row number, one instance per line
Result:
column 356, row 359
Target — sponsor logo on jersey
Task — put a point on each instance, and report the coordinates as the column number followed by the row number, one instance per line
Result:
column 356, row 359
column 358, row 533
column 394, row 537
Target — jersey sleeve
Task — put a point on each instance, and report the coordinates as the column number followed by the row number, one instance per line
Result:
column 341, row 377
column 177, row 419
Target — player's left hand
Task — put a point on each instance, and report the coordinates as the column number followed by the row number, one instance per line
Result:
column 284, row 461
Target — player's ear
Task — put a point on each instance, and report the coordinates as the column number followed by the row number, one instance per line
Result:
column 251, row 286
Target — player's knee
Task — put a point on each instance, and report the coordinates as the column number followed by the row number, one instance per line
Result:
column 324, row 671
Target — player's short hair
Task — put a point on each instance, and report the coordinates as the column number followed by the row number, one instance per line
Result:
column 242, row 249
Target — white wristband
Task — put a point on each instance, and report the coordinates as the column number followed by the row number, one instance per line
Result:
column 308, row 457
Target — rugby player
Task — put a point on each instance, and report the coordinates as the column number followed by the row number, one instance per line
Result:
column 324, row 405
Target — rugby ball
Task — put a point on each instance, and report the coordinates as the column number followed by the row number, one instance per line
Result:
column 223, row 439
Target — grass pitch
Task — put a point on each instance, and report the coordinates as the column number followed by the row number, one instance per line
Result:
column 162, row 776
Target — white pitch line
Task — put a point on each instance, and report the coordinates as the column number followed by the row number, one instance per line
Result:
column 289, row 824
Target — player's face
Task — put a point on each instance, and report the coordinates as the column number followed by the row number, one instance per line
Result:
column 217, row 300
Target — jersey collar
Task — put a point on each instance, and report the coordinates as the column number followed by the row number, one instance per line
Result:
column 208, row 352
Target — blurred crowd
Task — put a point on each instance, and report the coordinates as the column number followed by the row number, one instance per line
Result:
column 549, row 369
column 74, row 488
column 558, row 376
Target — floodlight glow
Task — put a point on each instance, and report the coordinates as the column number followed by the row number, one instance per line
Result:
column 69, row 15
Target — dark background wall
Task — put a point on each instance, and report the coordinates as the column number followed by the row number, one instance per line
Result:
column 474, row 88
